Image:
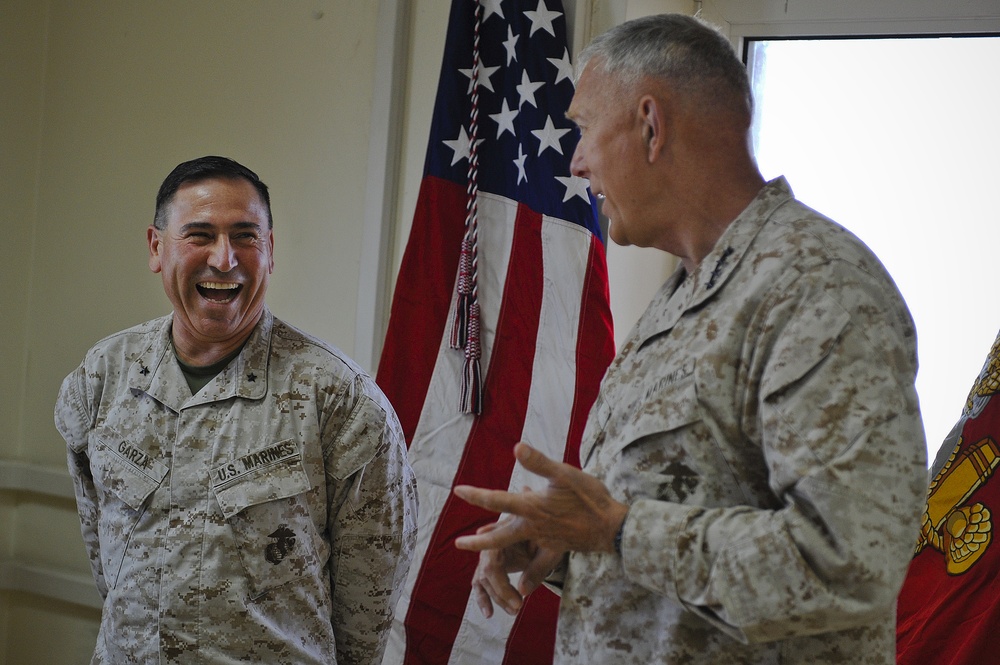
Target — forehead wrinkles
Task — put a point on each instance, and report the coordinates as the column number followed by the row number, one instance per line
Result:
column 214, row 201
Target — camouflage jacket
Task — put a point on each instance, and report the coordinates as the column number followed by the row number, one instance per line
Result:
column 761, row 422
column 269, row 518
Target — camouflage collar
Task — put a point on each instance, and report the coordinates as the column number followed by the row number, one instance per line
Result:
column 683, row 292
column 156, row 372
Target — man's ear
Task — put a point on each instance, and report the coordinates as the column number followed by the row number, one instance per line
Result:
column 270, row 240
column 652, row 126
column 153, row 237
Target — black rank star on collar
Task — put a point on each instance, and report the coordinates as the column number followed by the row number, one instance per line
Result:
column 717, row 270
column 251, row 377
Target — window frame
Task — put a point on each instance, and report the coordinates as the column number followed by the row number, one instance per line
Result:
column 742, row 19
column 746, row 21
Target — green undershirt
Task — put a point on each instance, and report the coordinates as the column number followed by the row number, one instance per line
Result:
column 199, row 377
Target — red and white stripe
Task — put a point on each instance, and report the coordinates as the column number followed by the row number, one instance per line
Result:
column 546, row 341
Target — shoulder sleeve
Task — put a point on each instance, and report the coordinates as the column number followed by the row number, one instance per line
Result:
column 373, row 516
column 75, row 411
column 830, row 399
column 75, row 414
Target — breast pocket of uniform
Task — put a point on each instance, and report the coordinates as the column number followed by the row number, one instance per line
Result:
column 127, row 476
column 665, row 450
column 263, row 498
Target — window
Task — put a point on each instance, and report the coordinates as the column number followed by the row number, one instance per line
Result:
column 897, row 139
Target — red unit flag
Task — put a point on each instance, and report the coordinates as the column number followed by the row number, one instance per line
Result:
column 949, row 609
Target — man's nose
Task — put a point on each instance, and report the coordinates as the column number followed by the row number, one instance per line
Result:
column 222, row 257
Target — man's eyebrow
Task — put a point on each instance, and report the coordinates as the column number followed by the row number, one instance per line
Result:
column 247, row 225
column 204, row 226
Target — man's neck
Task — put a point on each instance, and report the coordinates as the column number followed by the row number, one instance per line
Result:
column 714, row 209
column 201, row 353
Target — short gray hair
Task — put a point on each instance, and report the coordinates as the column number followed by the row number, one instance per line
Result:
column 688, row 53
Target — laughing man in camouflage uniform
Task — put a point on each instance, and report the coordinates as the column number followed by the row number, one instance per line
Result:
column 243, row 487
column 754, row 466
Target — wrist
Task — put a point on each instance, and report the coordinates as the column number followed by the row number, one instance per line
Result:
column 619, row 534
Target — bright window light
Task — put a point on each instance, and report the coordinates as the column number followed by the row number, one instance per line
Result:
column 899, row 141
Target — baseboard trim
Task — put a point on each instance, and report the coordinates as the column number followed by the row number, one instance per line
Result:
column 24, row 477
column 68, row 587
column 60, row 585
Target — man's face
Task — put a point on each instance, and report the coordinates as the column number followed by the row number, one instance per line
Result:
column 215, row 260
column 610, row 152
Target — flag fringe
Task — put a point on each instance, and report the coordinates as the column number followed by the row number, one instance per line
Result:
column 472, row 378
column 460, row 321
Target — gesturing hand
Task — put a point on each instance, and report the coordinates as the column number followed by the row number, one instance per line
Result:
column 575, row 512
column 491, row 582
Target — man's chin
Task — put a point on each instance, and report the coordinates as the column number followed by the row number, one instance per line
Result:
column 619, row 238
column 215, row 324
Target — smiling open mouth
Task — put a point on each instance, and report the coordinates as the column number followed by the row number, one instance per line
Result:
column 218, row 291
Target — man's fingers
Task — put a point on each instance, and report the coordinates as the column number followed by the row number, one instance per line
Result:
column 486, row 528
column 543, row 563
column 503, row 593
column 482, row 599
column 497, row 501
column 501, row 534
column 536, row 462
column 491, row 579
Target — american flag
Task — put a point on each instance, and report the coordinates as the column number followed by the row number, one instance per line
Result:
column 496, row 182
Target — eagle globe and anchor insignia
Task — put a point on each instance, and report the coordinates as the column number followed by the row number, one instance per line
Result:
column 963, row 533
column 284, row 542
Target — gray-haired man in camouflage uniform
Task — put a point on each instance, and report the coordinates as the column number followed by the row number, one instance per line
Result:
column 754, row 466
column 243, row 487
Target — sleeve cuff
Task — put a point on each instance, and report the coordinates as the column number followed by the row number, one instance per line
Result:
column 650, row 538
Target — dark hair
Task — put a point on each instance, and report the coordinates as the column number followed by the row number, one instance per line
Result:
column 691, row 54
column 204, row 168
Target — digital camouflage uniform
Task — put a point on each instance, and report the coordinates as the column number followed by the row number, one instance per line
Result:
column 762, row 424
column 270, row 518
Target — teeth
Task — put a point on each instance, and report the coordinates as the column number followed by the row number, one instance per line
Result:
column 217, row 285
